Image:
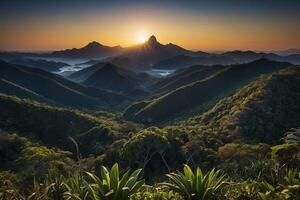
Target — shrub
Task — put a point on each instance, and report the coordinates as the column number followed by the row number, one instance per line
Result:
column 195, row 186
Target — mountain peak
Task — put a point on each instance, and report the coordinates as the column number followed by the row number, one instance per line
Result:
column 93, row 44
column 152, row 40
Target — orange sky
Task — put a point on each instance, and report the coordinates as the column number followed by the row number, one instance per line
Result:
column 192, row 30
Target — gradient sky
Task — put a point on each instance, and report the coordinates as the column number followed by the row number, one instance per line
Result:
column 197, row 25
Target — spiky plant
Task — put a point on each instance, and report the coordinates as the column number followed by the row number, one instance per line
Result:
column 196, row 186
column 110, row 186
column 292, row 177
column 77, row 188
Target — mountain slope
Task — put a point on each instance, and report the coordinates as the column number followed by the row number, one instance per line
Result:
column 91, row 50
column 261, row 111
column 200, row 94
column 52, row 125
column 10, row 88
column 82, row 75
column 113, row 78
column 185, row 76
column 56, row 88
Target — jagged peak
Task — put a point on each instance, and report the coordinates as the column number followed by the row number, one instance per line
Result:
column 152, row 40
column 93, row 44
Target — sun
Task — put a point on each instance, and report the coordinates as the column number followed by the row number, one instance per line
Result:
column 141, row 37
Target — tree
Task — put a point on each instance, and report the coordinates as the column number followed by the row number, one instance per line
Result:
column 144, row 145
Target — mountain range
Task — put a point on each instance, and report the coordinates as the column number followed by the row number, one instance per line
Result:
column 152, row 54
column 233, row 57
column 199, row 95
column 91, row 50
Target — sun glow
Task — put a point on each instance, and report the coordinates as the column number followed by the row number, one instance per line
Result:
column 141, row 37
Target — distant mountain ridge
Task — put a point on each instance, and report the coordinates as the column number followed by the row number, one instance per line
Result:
column 231, row 57
column 51, row 66
column 290, row 51
column 91, row 50
column 153, row 54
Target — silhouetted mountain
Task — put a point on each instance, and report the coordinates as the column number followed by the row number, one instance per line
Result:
column 50, row 66
column 287, row 52
column 249, row 56
column 201, row 94
column 111, row 77
column 91, row 50
column 261, row 111
column 56, row 88
column 144, row 55
column 232, row 57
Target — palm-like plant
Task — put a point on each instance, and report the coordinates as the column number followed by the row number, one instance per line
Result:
column 76, row 188
column 196, row 186
column 113, row 187
column 292, row 177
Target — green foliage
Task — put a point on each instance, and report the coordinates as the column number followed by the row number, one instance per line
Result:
column 194, row 186
column 11, row 146
column 112, row 186
column 140, row 148
column 241, row 158
column 77, row 188
column 252, row 114
column 38, row 160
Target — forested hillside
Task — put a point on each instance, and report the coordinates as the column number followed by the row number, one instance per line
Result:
column 262, row 111
column 201, row 94
column 53, row 126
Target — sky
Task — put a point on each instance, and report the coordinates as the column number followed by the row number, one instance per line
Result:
column 198, row 25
